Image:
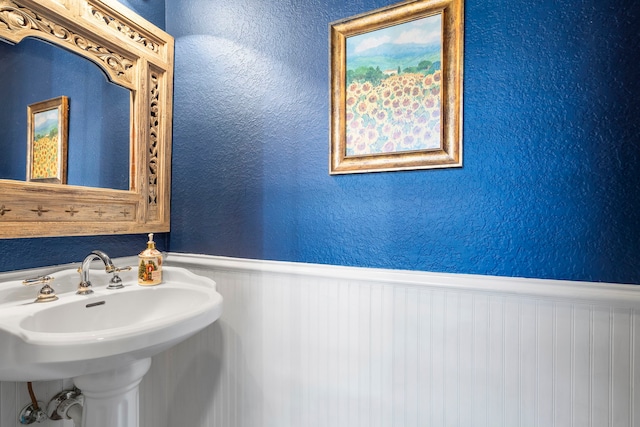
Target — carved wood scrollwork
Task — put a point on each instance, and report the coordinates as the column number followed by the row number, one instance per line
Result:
column 153, row 141
column 20, row 19
column 134, row 34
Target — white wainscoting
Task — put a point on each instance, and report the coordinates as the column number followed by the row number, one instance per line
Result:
column 309, row 345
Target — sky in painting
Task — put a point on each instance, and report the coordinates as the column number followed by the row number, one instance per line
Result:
column 43, row 117
column 422, row 31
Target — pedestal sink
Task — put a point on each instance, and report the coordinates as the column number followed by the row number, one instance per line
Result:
column 104, row 341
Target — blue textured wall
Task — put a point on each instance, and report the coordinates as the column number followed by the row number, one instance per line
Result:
column 27, row 253
column 549, row 187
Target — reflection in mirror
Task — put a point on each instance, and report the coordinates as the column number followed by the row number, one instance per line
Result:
column 34, row 71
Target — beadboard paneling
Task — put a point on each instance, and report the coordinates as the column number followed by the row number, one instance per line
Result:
column 308, row 345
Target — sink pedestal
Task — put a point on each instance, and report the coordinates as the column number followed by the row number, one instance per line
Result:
column 111, row 397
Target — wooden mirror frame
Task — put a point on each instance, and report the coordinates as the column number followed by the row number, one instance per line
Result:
column 134, row 54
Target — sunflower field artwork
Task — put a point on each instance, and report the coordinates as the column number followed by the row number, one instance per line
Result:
column 47, row 143
column 396, row 88
column 393, row 90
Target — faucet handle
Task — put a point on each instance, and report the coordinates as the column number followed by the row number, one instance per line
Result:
column 46, row 293
column 116, row 281
column 38, row 280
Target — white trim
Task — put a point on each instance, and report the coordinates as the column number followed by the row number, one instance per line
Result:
column 620, row 295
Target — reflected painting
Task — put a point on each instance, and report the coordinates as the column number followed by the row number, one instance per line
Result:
column 47, row 141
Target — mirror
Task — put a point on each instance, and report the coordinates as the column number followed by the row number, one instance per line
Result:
column 98, row 113
column 137, row 58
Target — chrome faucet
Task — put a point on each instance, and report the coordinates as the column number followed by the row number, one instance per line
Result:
column 84, row 288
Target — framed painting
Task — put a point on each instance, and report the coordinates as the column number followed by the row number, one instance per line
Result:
column 47, row 138
column 396, row 88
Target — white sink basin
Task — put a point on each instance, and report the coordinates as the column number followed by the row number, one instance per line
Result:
column 109, row 329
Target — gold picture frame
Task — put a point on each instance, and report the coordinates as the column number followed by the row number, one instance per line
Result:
column 396, row 88
column 47, row 139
